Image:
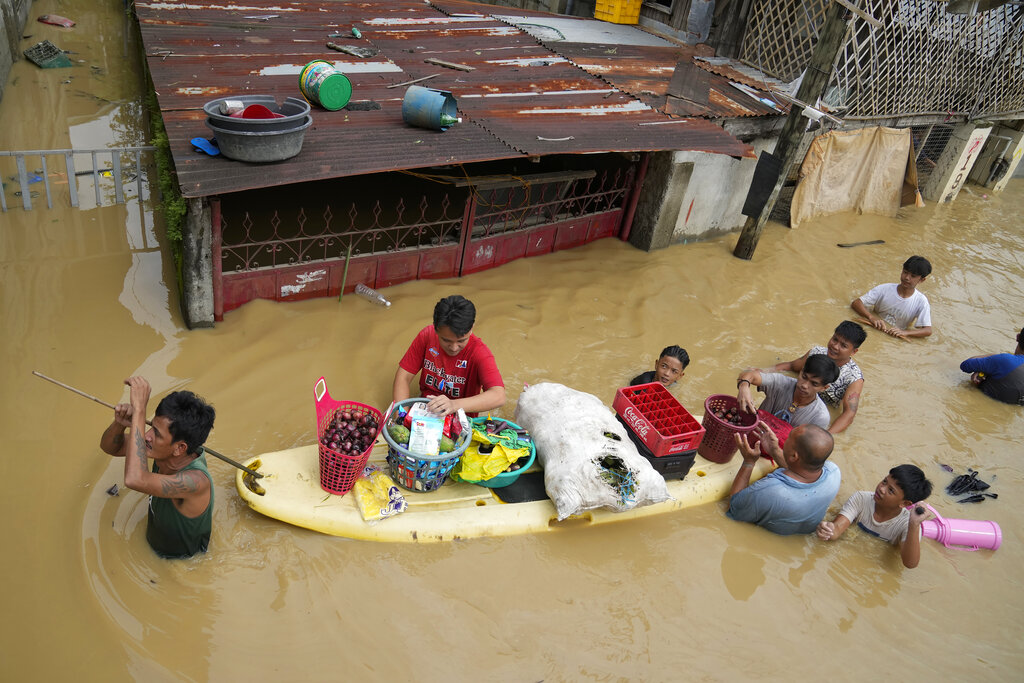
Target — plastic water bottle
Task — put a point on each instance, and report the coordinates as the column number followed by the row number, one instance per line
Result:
column 449, row 120
column 372, row 294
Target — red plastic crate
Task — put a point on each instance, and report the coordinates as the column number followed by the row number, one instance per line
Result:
column 779, row 426
column 658, row 419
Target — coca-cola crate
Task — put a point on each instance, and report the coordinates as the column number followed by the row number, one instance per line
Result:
column 658, row 419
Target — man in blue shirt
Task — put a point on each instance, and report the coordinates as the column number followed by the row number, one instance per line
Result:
column 1000, row 375
column 795, row 497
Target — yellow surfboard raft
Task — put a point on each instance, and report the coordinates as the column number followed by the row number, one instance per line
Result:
column 291, row 493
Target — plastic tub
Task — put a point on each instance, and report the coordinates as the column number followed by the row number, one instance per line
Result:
column 503, row 479
column 294, row 112
column 260, row 146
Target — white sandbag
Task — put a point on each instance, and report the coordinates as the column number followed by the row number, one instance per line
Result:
column 575, row 433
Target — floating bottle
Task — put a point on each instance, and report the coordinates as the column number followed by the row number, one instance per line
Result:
column 372, row 294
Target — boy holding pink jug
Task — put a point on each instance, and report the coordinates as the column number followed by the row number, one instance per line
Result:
column 884, row 512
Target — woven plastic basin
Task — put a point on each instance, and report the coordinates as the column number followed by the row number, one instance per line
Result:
column 420, row 473
column 719, row 443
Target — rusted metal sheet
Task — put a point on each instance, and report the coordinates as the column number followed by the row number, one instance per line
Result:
column 519, row 98
column 646, row 72
column 739, row 72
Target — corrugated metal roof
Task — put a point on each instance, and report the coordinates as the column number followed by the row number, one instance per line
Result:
column 520, row 98
column 646, row 71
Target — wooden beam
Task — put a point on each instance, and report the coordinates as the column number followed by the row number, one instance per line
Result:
column 449, row 65
column 813, row 85
column 860, row 13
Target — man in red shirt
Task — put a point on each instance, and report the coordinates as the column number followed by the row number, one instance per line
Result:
column 458, row 370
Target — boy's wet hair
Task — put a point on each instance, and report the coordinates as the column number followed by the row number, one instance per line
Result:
column 912, row 481
column 918, row 265
column 191, row 418
column 456, row 312
column 677, row 352
column 821, row 366
column 851, row 332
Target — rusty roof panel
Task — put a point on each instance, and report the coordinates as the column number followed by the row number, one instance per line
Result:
column 645, row 71
column 337, row 144
column 517, row 98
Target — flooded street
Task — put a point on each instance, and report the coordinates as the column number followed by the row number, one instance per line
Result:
column 89, row 298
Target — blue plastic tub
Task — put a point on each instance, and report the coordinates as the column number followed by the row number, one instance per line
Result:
column 505, row 478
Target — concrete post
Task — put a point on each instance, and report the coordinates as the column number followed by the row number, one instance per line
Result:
column 954, row 165
column 13, row 16
column 197, row 265
column 660, row 200
column 1000, row 154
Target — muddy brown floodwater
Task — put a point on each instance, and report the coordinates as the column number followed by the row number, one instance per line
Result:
column 88, row 298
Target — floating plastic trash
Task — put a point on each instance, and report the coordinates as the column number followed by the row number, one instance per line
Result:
column 56, row 20
column 46, row 55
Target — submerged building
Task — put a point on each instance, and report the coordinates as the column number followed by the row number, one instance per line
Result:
column 571, row 130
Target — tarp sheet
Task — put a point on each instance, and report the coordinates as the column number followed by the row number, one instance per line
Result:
column 861, row 170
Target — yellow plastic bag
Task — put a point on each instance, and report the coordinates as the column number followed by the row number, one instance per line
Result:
column 477, row 466
column 378, row 497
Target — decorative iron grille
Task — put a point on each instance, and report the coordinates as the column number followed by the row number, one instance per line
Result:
column 258, row 240
column 507, row 209
column 923, row 60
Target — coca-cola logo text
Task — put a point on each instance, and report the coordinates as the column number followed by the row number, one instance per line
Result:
column 637, row 422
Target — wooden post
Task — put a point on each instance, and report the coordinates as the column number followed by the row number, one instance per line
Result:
column 813, row 85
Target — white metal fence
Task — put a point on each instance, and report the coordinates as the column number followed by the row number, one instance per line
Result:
column 29, row 174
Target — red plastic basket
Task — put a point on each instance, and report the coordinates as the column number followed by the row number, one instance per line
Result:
column 658, row 419
column 777, row 425
column 338, row 472
column 719, row 444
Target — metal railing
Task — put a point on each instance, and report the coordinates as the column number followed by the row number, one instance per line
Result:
column 115, row 171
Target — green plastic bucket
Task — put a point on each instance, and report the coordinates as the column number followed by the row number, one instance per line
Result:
column 321, row 84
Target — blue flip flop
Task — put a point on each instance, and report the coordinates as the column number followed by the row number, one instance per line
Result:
column 206, row 146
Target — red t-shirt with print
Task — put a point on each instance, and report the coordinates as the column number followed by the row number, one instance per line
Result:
column 466, row 374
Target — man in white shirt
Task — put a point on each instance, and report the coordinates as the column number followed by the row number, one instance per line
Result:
column 893, row 308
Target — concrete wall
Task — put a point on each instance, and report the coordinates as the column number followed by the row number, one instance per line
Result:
column 13, row 16
column 692, row 195
column 1004, row 145
column 955, row 163
column 197, row 265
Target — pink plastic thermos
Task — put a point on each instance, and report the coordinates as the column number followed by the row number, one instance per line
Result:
column 967, row 534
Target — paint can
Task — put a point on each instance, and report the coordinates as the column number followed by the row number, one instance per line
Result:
column 320, row 83
column 429, row 108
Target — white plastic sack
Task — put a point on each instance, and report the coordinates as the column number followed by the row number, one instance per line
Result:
column 569, row 429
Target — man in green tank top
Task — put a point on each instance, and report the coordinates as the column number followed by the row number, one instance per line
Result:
column 179, row 486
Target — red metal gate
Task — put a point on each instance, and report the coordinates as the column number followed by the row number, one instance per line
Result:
column 285, row 256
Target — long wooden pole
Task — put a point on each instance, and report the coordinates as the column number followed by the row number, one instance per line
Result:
column 813, row 85
column 206, row 449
